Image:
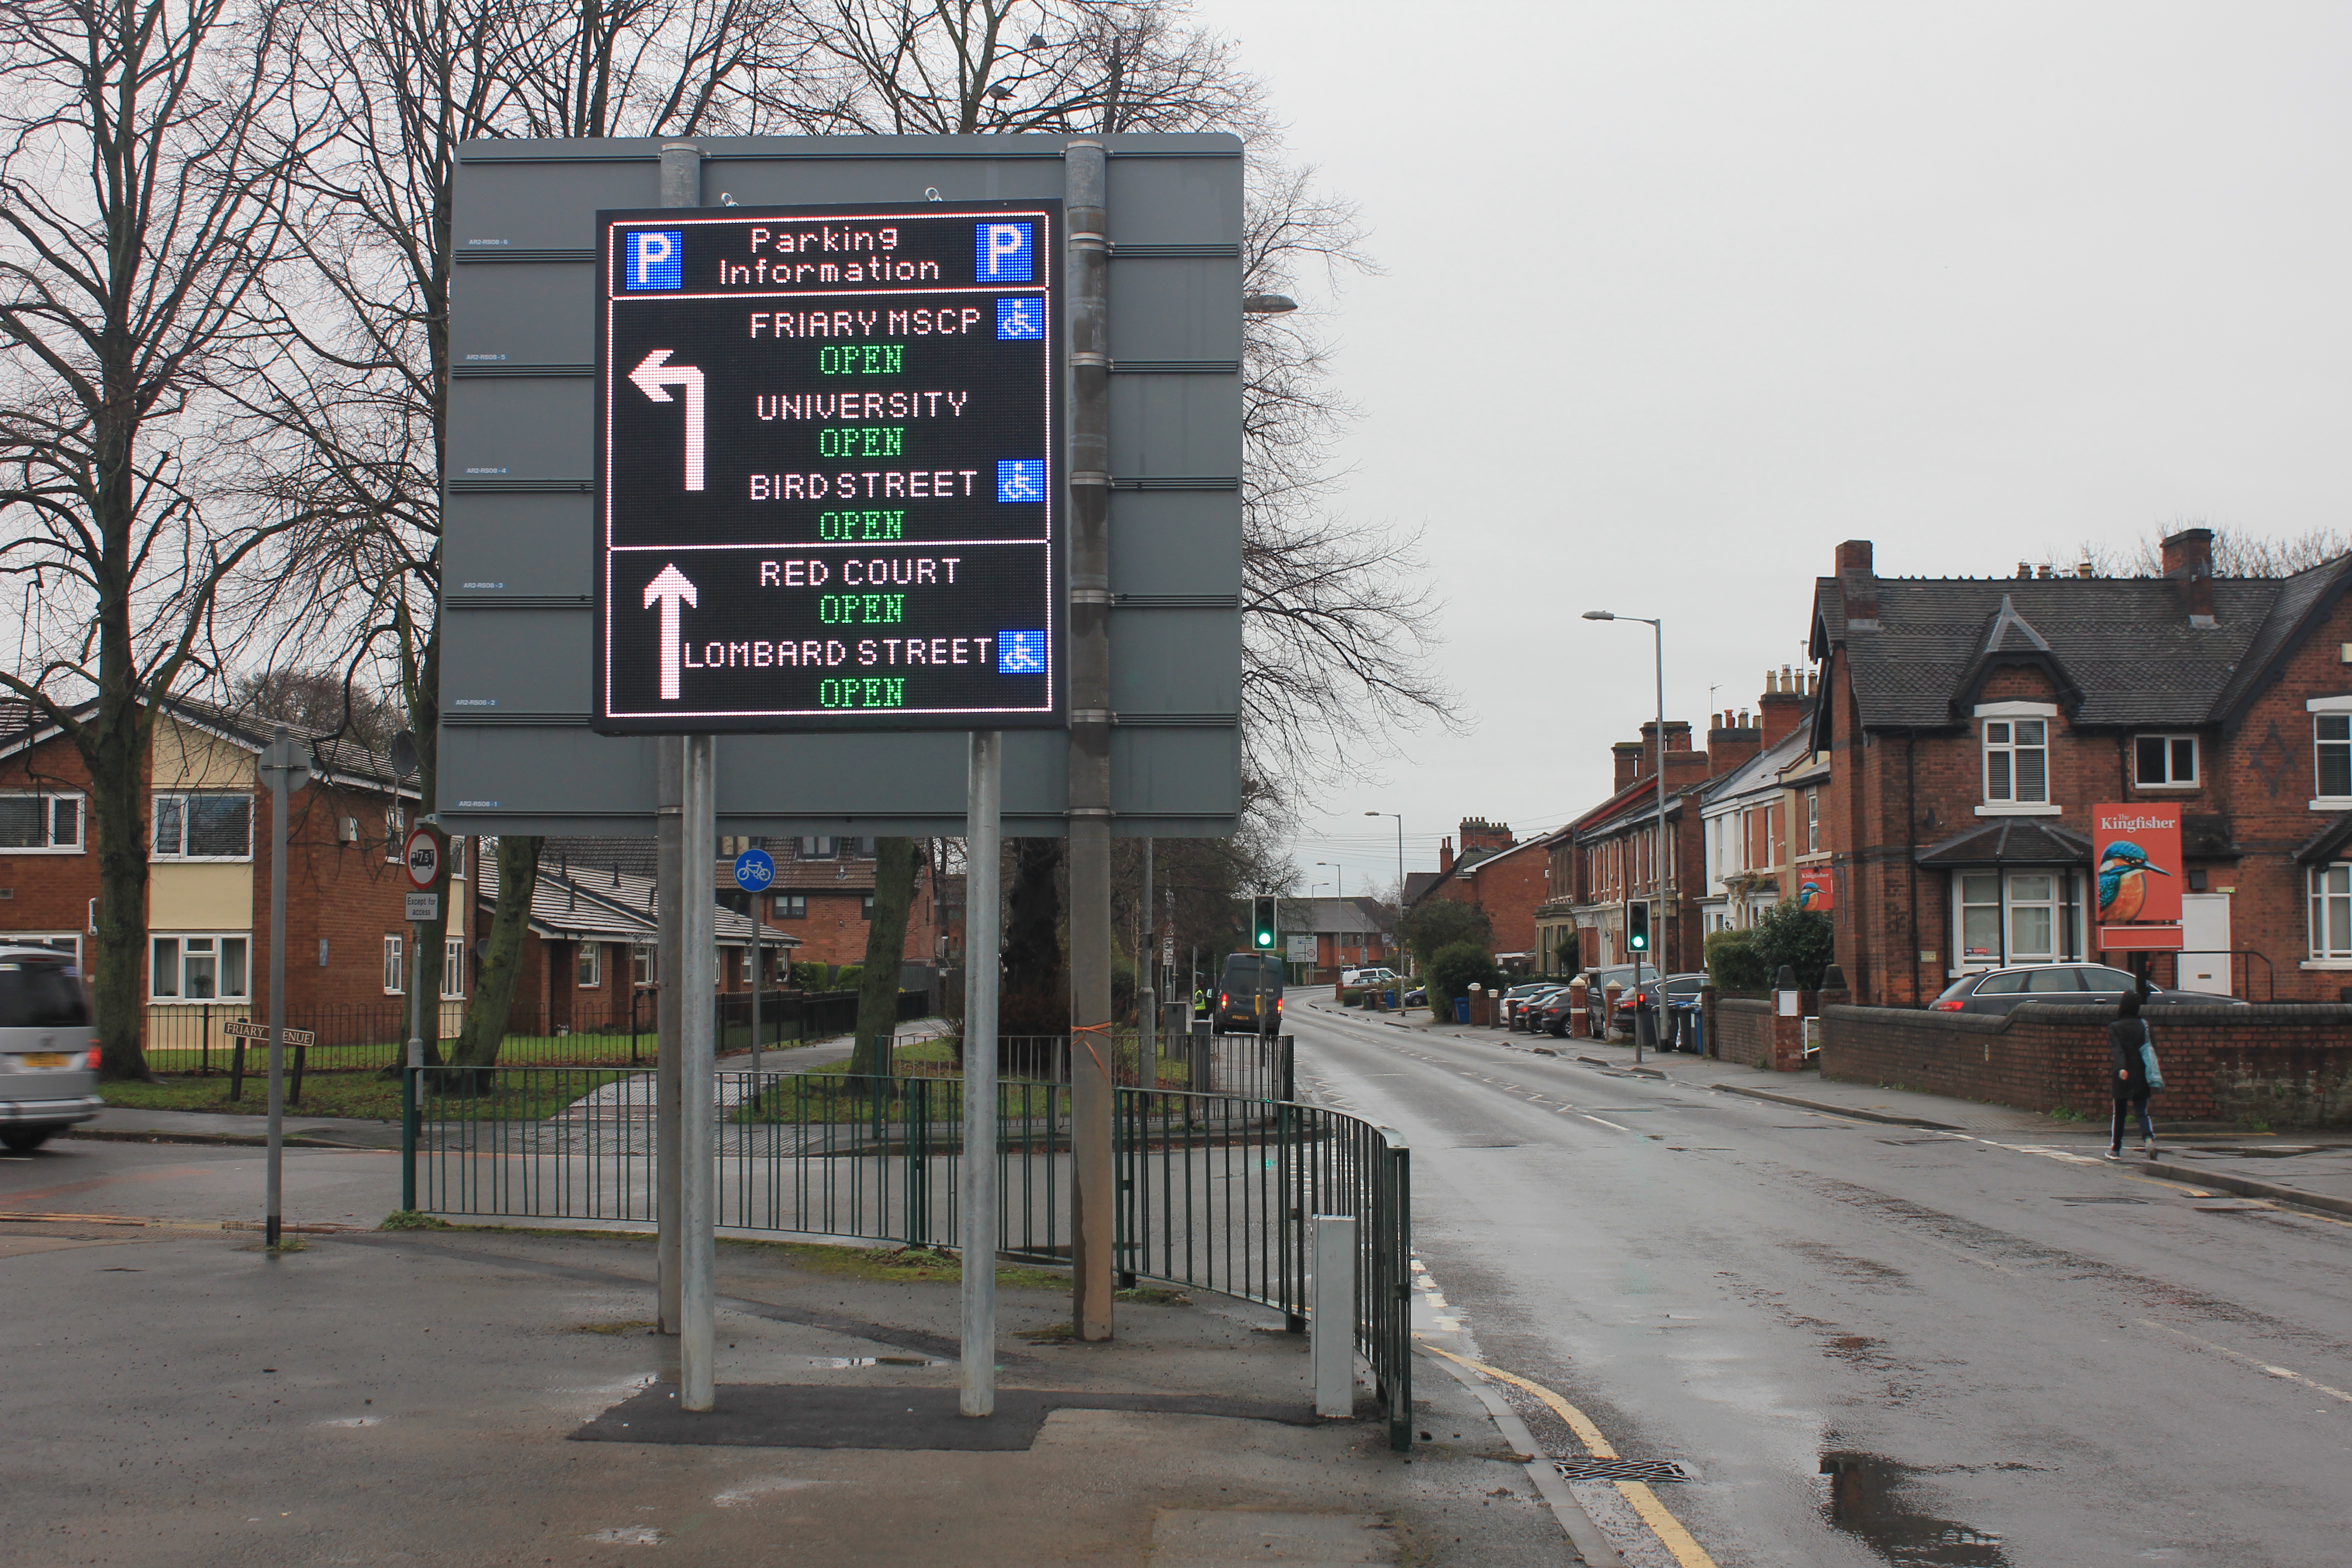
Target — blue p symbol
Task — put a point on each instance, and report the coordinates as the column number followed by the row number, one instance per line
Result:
column 1000, row 252
column 657, row 258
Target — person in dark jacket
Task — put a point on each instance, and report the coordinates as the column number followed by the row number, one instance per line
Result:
column 2126, row 1035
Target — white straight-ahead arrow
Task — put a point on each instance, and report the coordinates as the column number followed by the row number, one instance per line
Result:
column 669, row 588
column 652, row 375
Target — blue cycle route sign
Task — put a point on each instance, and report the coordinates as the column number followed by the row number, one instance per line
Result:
column 754, row 871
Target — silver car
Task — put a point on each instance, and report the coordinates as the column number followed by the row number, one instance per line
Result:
column 48, row 1052
column 2001, row 990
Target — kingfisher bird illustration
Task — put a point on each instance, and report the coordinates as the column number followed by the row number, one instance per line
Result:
column 2123, row 882
column 1806, row 893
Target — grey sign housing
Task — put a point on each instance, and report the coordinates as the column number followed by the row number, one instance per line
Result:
column 518, row 753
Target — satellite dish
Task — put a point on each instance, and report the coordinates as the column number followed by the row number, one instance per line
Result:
column 403, row 753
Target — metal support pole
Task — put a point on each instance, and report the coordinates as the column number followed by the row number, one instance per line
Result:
column 983, row 869
column 698, row 1088
column 758, row 975
column 1656, row 996
column 278, row 763
column 1093, row 1201
column 669, row 1050
column 681, row 187
column 1147, row 994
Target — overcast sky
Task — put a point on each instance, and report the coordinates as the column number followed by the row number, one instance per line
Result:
column 1676, row 297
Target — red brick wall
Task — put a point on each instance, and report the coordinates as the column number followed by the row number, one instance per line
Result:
column 49, row 892
column 1508, row 888
column 2290, row 1066
column 1740, row 1030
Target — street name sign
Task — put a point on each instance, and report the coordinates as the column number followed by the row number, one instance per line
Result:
column 250, row 1031
column 826, row 468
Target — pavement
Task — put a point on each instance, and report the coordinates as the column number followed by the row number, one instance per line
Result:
column 1864, row 1327
column 495, row 1397
column 2311, row 1168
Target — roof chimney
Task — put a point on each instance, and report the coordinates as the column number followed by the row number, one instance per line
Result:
column 2188, row 560
column 1730, row 743
column 1628, row 754
column 1444, row 855
column 1858, row 585
column 1779, row 708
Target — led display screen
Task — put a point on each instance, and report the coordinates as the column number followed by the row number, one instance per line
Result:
column 827, row 484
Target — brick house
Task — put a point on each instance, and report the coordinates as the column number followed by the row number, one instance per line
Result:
column 1761, row 815
column 207, row 825
column 1506, row 879
column 1971, row 725
column 589, row 950
column 823, row 896
column 1347, row 933
column 1605, row 861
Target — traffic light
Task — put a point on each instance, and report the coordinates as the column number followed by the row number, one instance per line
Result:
column 1637, row 927
column 1261, row 925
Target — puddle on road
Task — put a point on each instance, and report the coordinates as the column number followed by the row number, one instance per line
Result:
column 1875, row 1500
column 835, row 1362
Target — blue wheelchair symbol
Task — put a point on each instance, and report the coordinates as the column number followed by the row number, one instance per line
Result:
column 1021, row 652
column 1021, row 318
column 1020, row 479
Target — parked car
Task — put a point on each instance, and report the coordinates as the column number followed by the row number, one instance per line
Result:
column 48, row 1050
column 1596, row 986
column 1996, row 991
column 1551, row 1015
column 1249, row 994
column 1682, row 991
column 1416, row 997
column 1517, row 998
column 1383, row 977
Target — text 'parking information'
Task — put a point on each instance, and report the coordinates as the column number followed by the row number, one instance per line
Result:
column 827, row 482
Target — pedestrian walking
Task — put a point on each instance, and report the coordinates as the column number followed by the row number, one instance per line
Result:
column 2135, row 1074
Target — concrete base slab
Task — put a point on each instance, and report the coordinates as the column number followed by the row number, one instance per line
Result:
column 831, row 1415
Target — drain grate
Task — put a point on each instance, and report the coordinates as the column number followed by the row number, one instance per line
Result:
column 1620, row 1469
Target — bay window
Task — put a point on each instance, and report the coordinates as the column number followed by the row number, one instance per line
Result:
column 2331, row 911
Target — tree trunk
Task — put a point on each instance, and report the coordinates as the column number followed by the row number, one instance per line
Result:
column 1036, row 994
column 118, row 779
column 886, row 947
column 486, row 1015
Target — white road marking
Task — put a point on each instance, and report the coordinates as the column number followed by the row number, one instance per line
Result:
column 2262, row 1366
column 1606, row 1123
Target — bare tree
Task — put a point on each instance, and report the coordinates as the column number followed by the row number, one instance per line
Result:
column 356, row 392
column 2237, row 552
column 135, row 219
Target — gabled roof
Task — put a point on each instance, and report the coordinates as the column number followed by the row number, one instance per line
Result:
column 2122, row 650
column 1337, row 917
column 1761, row 772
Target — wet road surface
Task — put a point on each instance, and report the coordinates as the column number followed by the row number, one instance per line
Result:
column 1872, row 1344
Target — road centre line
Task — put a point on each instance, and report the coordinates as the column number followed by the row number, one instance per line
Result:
column 2262, row 1366
column 1687, row 1553
column 1606, row 1124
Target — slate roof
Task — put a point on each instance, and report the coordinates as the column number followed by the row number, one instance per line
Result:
column 2122, row 647
column 2011, row 841
column 1760, row 772
column 1337, row 917
column 607, row 904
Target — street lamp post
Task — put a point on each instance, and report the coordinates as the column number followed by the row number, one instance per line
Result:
column 1398, row 943
column 1658, row 863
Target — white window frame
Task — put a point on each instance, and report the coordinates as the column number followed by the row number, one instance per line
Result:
column 2068, row 934
column 795, row 906
column 182, row 859
column 2012, row 907
column 2329, row 708
column 588, row 966
column 395, row 965
column 2315, row 893
column 2172, row 740
column 2008, row 714
column 1814, row 820
column 453, row 969
column 63, row 941
column 50, row 800
column 182, row 952
column 641, row 965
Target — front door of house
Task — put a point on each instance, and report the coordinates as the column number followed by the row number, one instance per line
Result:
column 2205, row 942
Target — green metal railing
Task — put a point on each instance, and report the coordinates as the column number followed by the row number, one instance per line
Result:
column 1217, row 1191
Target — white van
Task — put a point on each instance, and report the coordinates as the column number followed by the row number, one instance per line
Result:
column 49, row 1051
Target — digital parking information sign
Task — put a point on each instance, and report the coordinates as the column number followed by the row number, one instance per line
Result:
column 827, row 479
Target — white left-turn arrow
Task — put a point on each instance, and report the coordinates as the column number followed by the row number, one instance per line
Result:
column 651, row 375
column 669, row 589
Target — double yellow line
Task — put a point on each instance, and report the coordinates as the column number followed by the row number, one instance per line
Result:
column 1662, row 1524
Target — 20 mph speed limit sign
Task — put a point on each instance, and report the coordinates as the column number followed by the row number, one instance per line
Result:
column 826, row 476
column 422, row 859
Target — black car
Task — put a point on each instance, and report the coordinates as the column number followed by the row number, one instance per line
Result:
column 1551, row 1015
column 1996, row 991
column 1520, row 998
